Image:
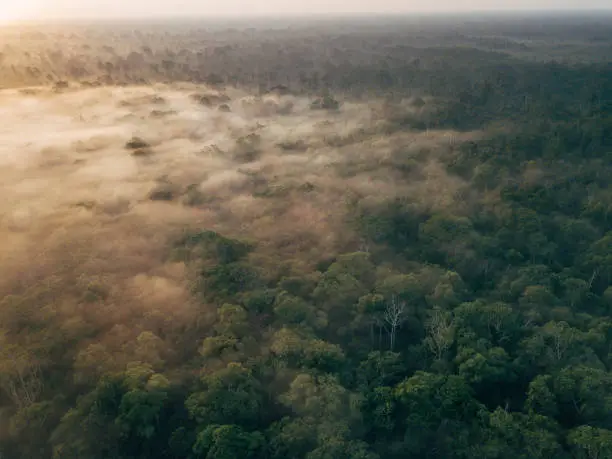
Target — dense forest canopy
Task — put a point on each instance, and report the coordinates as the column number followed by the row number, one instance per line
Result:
column 317, row 240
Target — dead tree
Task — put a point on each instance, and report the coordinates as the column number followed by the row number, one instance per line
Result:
column 395, row 315
column 19, row 376
column 441, row 333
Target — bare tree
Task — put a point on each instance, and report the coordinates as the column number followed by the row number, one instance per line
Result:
column 593, row 277
column 440, row 332
column 19, row 376
column 395, row 315
column 561, row 337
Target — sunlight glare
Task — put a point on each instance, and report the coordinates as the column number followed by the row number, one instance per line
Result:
column 18, row 10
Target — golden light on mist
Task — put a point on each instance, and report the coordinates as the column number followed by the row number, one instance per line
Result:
column 18, row 10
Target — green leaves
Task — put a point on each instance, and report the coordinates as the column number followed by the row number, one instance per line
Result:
column 437, row 411
column 429, row 399
column 227, row 442
column 292, row 310
column 584, row 395
column 540, row 397
column 230, row 395
column 515, row 435
column 491, row 367
column 380, row 369
column 342, row 449
column 140, row 411
column 91, row 421
column 598, row 260
column 321, row 397
column 575, row 395
column 297, row 349
column 124, row 414
column 591, row 443
column 209, row 244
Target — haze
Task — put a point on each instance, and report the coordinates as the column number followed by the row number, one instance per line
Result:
column 112, row 9
column 273, row 230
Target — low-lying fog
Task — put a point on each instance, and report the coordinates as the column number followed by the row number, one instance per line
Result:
column 96, row 181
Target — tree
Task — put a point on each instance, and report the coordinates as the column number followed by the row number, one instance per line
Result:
column 438, row 414
column 31, row 426
column 485, row 369
column 540, row 397
column 20, row 376
column 449, row 292
column 598, row 261
column 336, row 293
column 575, row 396
column 448, row 240
column 327, row 414
column 335, row 448
column 440, row 333
column 321, row 397
column 139, row 412
column 232, row 339
column 584, row 396
column 300, row 350
column 293, row 437
column 150, row 348
column 411, row 288
column 395, row 315
column 338, row 290
column 92, row 362
column 497, row 324
column 535, row 302
column 591, row 443
column 88, row 429
column 516, row 435
column 232, row 320
column 323, row 356
column 291, row 310
column 555, row 345
column 380, row 368
column 228, row 442
column 561, row 337
column 230, row 395
column 368, row 319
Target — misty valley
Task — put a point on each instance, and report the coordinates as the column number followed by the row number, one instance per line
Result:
column 348, row 238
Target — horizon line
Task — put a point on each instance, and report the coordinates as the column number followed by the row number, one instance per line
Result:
column 312, row 16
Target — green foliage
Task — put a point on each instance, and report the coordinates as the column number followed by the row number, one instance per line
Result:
column 90, row 422
column 292, row 310
column 321, row 397
column 484, row 369
column 299, row 350
column 209, row 244
column 139, row 413
column 396, row 223
column 227, row 442
column 292, row 436
column 225, row 281
column 501, row 349
column 430, row 402
column 515, row 435
column 591, row 443
column 342, row 449
column 380, row 369
column 228, row 395
column 429, row 399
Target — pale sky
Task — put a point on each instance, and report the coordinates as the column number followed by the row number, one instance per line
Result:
column 103, row 9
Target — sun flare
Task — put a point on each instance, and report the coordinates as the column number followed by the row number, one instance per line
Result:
column 18, row 10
